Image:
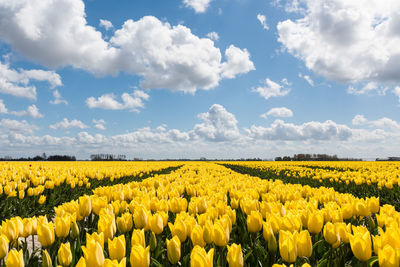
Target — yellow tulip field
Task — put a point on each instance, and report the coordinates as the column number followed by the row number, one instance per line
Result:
column 199, row 214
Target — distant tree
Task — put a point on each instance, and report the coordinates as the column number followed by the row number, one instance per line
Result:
column 278, row 159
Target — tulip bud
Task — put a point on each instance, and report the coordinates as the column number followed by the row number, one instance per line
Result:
column 179, row 229
column 220, row 235
column 63, row 225
column 304, row 244
column 197, row 236
column 85, row 206
column 81, row 262
column 64, row 254
column 235, row 255
column 140, row 256
column 75, row 230
column 331, row 236
column 15, row 258
column 388, row 257
column 9, row 229
column 96, row 237
column 125, row 222
column 315, row 222
column 208, row 232
column 42, row 199
column 174, row 249
column 287, row 246
column 140, row 217
column 153, row 241
column 46, row 260
column 117, row 247
column 360, row 244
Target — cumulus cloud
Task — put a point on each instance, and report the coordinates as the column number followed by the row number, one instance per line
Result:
column 106, row 24
column 56, row 34
column 278, row 112
column 131, row 102
column 199, row 6
column 99, row 124
column 14, row 126
column 31, row 111
column 18, row 82
column 345, row 41
column 263, row 20
column 58, row 99
column 66, row 124
column 218, row 125
column 213, row 36
column 280, row 130
column 382, row 123
column 272, row 89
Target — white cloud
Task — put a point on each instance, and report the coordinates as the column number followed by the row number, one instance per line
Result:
column 368, row 89
column 99, row 124
column 346, row 41
column 238, row 61
column 66, row 124
column 131, row 102
column 280, row 130
column 14, row 126
column 278, row 112
column 31, row 111
column 17, row 82
column 218, row 125
column 199, row 6
column 213, row 36
column 58, row 99
column 106, row 24
column 56, row 34
column 272, row 89
column 396, row 91
column 307, row 78
column 359, row 120
column 382, row 123
column 263, row 20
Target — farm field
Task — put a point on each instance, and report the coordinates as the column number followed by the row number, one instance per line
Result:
column 199, row 214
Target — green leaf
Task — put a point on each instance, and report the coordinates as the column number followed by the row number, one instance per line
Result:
column 372, row 260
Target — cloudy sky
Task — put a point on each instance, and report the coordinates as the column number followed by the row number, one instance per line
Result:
column 200, row 78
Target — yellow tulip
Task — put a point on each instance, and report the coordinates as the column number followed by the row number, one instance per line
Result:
column 115, row 263
column 304, row 244
column 373, row 204
column 315, row 222
column 106, row 225
column 360, row 244
column 140, row 217
column 63, row 225
column 156, row 224
column 387, row 257
column 85, row 206
column 27, row 226
column 117, row 248
column 330, row 235
column 21, row 194
column 254, row 222
column 200, row 258
column 3, row 246
column 9, row 229
column 74, row 230
column 140, row 256
column 42, row 199
column 46, row 260
column 197, row 236
column 93, row 254
column 125, row 222
column 45, row 232
column 208, row 232
column 81, row 262
column 96, row 237
column 15, row 259
column 64, row 254
column 235, row 255
column 138, row 238
column 174, row 249
column 220, row 235
column 287, row 246
column 179, row 229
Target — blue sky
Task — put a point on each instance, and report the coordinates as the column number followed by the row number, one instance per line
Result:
column 194, row 78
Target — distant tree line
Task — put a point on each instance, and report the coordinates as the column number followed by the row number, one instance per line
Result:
column 107, row 157
column 314, row 157
column 42, row 157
